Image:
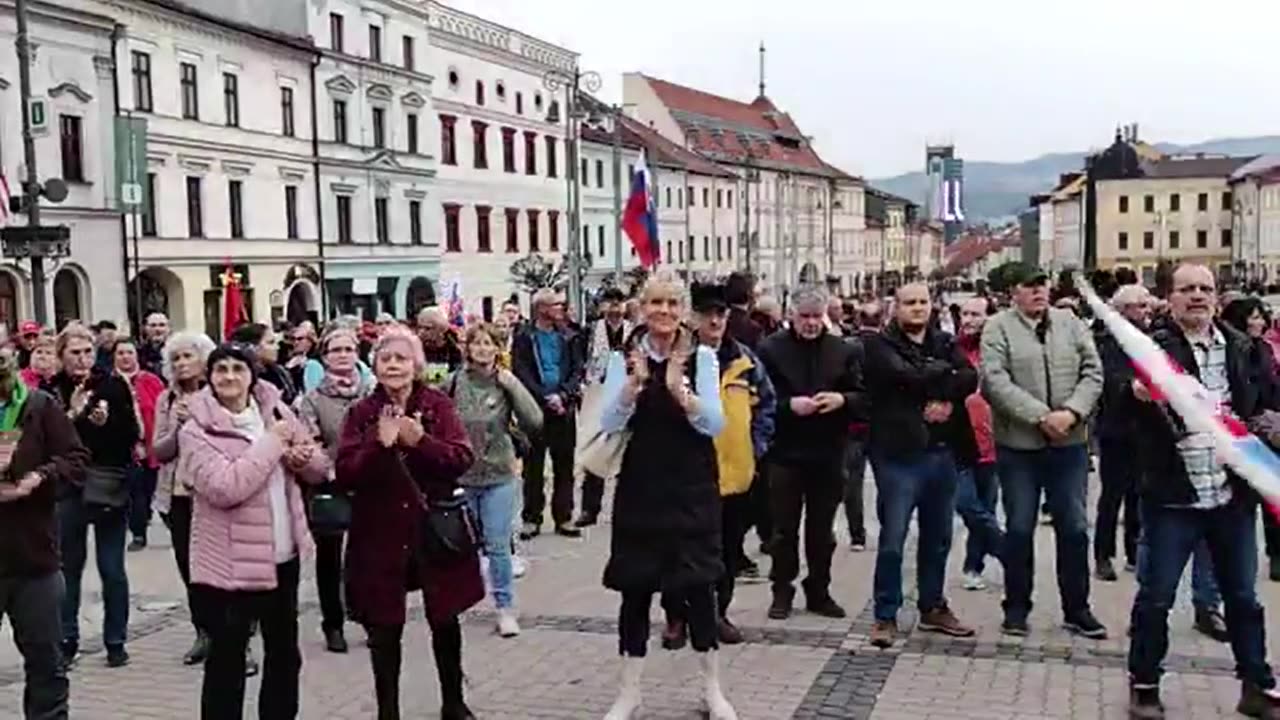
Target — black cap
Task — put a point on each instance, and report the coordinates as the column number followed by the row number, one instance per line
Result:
column 1022, row 273
column 705, row 297
column 613, row 294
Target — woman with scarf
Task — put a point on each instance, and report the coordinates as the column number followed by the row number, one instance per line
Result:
column 322, row 411
column 665, row 395
column 146, row 388
column 489, row 399
column 403, row 449
column 183, row 358
column 44, row 362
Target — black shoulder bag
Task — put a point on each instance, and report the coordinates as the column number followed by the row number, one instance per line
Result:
column 449, row 531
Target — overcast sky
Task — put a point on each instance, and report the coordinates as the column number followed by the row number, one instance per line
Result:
column 873, row 80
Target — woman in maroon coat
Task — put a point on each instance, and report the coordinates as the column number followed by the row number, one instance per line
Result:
column 400, row 444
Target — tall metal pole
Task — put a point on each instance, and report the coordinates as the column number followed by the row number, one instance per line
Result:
column 617, row 195
column 31, row 187
column 575, row 227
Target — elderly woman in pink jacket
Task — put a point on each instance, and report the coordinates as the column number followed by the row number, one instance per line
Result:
column 244, row 452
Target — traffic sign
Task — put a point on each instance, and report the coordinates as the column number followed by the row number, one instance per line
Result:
column 131, row 193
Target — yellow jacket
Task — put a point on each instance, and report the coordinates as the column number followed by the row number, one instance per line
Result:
column 735, row 452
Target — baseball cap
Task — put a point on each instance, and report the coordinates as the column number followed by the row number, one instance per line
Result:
column 706, row 297
column 30, row 327
column 1025, row 274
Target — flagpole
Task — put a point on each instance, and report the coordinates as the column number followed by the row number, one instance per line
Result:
column 31, row 184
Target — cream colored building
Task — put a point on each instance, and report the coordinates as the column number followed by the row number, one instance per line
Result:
column 1256, row 219
column 1180, row 211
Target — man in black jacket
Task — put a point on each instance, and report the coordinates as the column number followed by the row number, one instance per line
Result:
column 918, row 380
column 1190, row 497
column 46, row 462
column 818, row 388
column 546, row 358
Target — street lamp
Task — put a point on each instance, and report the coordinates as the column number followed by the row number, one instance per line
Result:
column 571, row 82
column 596, row 119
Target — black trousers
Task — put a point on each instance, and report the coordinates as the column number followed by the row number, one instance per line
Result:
column 855, row 468
column 735, row 513
column 558, row 437
column 695, row 606
column 1119, row 475
column 592, row 495
column 31, row 605
column 385, row 652
column 1271, row 534
column 761, row 508
column 179, row 523
column 329, row 580
column 232, row 615
column 812, row 491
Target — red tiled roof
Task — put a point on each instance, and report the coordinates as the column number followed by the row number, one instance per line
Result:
column 755, row 132
column 661, row 151
column 968, row 250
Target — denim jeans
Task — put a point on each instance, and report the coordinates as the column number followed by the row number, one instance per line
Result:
column 976, row 492
column 1171, row 535
column 925, row 483
column 109, row 530
column 855, row 468
column 1062, row 473
column 142, row 488
column 31, row 606
column 1204, row 588
column 495, row 506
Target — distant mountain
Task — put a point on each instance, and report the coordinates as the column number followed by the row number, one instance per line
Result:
column 995, row 190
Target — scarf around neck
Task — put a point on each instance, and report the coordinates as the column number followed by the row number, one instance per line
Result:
column 344, row 386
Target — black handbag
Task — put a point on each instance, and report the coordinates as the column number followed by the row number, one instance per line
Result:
column 448, row 529
column 329, row 511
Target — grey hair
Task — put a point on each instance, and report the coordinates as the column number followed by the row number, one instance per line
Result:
column 1129, row 295
column 197, row 342
column 545, row 296
column 666, row 280
column 433, row 313
column 809, row 296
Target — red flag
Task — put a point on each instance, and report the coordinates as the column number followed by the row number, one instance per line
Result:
column 233, row 311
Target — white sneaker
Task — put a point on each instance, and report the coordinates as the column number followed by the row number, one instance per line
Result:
column 974, row 581
column 508, row 626
column 628, row 701
column 518, row 566
column 717, row 706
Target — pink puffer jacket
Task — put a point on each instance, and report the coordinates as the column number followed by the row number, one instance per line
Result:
column 232, row 546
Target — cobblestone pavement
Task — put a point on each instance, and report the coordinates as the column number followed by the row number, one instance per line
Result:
column 564, row 665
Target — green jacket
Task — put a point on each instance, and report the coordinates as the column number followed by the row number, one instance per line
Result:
column 1024, row 378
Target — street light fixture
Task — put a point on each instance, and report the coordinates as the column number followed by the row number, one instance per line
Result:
column 572, row 82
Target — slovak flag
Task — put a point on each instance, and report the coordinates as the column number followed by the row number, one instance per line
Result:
column 640, row 219
column 1184, row 395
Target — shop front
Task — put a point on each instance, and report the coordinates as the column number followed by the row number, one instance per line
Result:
column 366, row 288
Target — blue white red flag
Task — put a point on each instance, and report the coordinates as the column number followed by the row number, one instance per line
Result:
column 454, row 304
column 640, row 218
column 1233, row 444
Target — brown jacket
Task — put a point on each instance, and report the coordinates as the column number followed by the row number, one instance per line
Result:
column 51, row 447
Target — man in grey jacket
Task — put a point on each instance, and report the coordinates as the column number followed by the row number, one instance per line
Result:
column 1042, row 376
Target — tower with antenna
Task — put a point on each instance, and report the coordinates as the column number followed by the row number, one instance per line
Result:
column 762, row 52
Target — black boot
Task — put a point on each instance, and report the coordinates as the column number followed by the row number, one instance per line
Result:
column 780, row 608
column 384, row 652
column 199, row 649
column 1257, row 703
column 446, row 643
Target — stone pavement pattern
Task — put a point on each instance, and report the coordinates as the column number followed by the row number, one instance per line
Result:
column 564, row 665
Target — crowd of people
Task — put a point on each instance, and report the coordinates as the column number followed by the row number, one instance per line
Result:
column 402, row 457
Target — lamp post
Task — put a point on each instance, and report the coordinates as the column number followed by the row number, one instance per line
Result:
column 571, row 82
column 596, row 119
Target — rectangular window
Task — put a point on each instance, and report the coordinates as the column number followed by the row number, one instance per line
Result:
column 519, row 103
column 508, row 149
column 533, row 230
column 482, row 229
column 680, row 253
column 551, row 156
column 1226, row 237
column 668, row 197
column 1175, row 239
column 71, row 141
column 728, row 201
column 411, row 132
column 375, row 43
column 480, row 150
column 291, row 211
column 1202, row 238
column 1149, row 203
column 379, row 127
column 585, row 174
column 340, row 121
column 719, row 201
column 344, row 219
column 406, row 51
column 142, row 82
column 415, row 222
column 1226, row 201
column 513, row 230
column 231, row 98
column 149, row 209
column 235, row 204
column 706, row 248
column 195, row 208
column 1148, row 240
column 553, row 230
column 719, row 248
column 1175, row 202
column 336, row 32
column 452, row 234
column 286, row 112
column 530, row 153
column 688, row 195
column 1122, row 241
column 448, row 143
column 190, row 92
column 600, row 173
column 1124, row 204
column 706, row 197
column 600, row 240
column 382, row 220
column 1202, row 202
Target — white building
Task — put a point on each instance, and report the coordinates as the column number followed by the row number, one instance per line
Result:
column 382, row 222
column 501, row 191
column 1256, row 219
column 230, row 172
column 72, row 72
